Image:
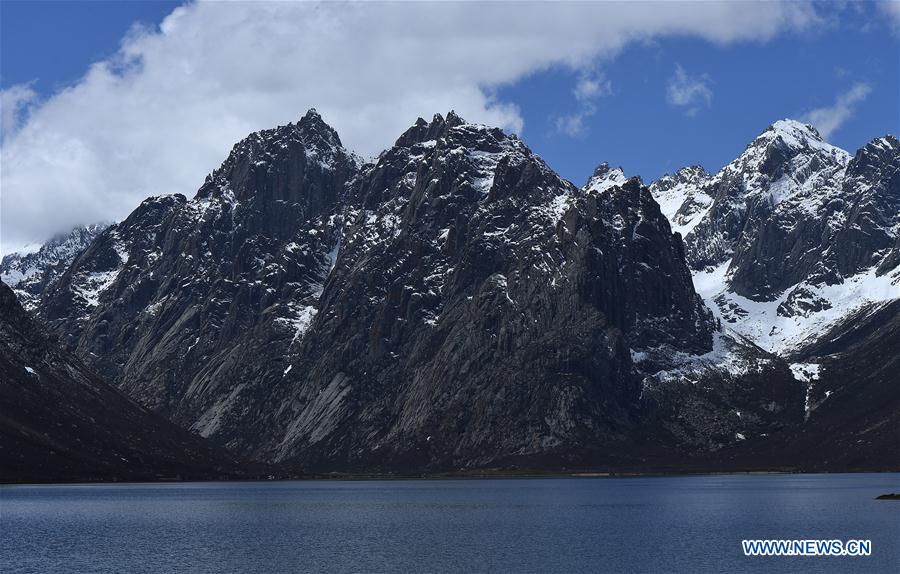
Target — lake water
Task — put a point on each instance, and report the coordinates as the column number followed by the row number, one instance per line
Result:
column 664, row 524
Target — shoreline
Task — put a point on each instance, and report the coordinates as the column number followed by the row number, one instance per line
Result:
column 454, row 476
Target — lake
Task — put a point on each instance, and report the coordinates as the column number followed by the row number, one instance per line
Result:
column 647, row 524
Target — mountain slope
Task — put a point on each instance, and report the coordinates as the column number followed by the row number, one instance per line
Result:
column 59, row 422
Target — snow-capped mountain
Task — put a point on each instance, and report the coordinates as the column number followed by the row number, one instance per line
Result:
column 797, row 253
column 453, row 303
column 797, row 235
column 30, row 273
column 604, row 178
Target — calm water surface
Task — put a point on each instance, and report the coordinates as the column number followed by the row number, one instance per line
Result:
column 670, row 524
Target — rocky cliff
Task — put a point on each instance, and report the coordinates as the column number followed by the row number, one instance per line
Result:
column 452, row 304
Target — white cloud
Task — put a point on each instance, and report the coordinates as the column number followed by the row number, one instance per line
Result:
column 572, row 125
column 15, row 102
column 828, row 119
column 588, row 89
column 891, row 10
column 689, row 92
column 167, row 108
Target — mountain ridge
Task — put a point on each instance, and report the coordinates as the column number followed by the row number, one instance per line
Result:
column 452, row 304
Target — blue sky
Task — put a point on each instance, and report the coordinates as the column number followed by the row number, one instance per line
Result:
column 644, row 91
column 752, row 86
column 52, row 42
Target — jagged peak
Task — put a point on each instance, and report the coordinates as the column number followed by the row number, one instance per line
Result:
column 311, row 129
column 795, row 128
column 422, row 131
column 454, row 120
column 690, row 175
column 313, row 124
column 773, row 153
column 880, row 151
column 163, row 199
column 885, row 142
column 691, row 172
column 605, row 177
column 795, row 135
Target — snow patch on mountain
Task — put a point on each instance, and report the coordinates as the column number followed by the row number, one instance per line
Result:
column 681, row 197
column 29, row 272
column 780, row 333
column 604, row 178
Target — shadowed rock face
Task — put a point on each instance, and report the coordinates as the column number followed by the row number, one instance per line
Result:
column 452, row 304
column 60, row 422
column 186, row 304
column 484, row 308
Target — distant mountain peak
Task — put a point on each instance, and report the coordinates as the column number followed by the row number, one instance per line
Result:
column 691, row 172
column 787, row 138
column 30, row 273
column 795, row 128
column 605, row 177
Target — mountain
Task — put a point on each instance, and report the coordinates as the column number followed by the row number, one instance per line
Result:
column 452, row 304
column 796, row 252
column 29, row 274
column 60, row 422
column 796, row 234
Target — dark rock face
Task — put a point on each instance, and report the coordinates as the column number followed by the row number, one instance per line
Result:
column 61, row 423
column 200, row 300
column 837, row 229
column 29, row 275
column 452, row 304
column 853, row 407
column 787, row 157
column 484, row 309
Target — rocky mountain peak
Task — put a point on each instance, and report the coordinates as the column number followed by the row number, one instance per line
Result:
column 788, row 147
column 690, row 174
column 879, row 151
column 686, row 178
column 312, row 127
column 292, row 163
column 605, row 177
column 793, row 131
column 422, row 131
